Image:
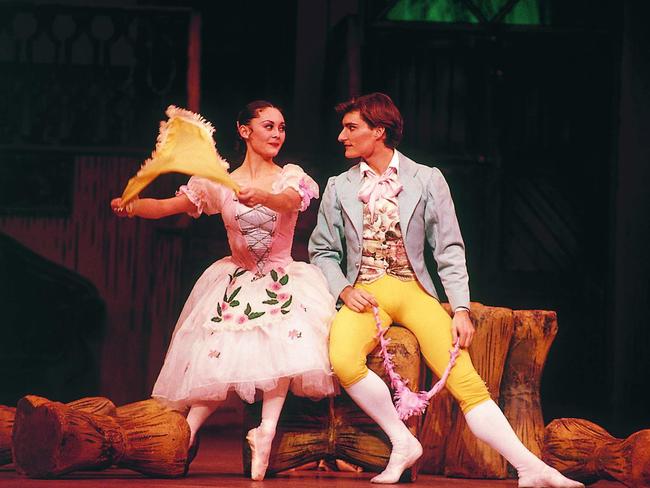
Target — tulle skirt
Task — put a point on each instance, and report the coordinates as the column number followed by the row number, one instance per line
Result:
column 243, row 332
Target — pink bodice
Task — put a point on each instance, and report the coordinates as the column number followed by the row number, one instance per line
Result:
column 260, row 239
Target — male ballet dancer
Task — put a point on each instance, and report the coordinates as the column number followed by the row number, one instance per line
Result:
column 369, row 242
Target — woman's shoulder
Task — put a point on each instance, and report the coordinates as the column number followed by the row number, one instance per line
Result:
column 293, row 176
column 292, row 169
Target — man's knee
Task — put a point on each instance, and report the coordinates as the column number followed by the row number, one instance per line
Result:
column 469, row 389
column 348, row 367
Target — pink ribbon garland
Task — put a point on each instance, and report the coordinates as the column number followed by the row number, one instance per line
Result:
column 409, row 402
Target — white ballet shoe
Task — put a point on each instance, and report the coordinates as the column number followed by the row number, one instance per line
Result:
column 547, row 477
column 403, row 456
column 260, row 444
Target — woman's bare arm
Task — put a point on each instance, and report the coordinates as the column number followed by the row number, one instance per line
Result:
column 151, row 208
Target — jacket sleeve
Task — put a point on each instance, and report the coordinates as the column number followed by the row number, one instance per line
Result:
column 444, row 237
column 327, row 242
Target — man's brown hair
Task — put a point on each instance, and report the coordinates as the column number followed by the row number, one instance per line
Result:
column 377, row 110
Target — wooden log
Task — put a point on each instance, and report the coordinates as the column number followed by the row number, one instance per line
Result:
column 99, row 405
column 94, row 405
column 335, row 428
column 465, row 455
column 534, row 332
column 51, row 439
column 7, row 416
column 156, row 439
column 585, row 451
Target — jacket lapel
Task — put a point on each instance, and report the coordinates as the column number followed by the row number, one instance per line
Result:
column 411, row 192
column 350, row 202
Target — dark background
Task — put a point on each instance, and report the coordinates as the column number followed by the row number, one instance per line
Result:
column 541, row 129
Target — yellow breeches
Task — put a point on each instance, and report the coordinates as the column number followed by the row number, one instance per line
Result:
column 352, row 337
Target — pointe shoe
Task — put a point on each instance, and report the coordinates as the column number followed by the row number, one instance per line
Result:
column 401, row 458
column 548, row 477
column 260, row 452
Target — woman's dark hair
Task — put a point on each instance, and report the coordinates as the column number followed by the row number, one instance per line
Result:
column 377, row 110
column 249, row 112
column 252, row 110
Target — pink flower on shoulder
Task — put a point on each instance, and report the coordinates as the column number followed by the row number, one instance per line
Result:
column 224, row 306
column 283, row 296
column 275, row 286
column 241, row 319
column 309, row 190
column 227, row 316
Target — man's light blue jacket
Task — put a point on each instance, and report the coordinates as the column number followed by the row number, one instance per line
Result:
column 426, row 213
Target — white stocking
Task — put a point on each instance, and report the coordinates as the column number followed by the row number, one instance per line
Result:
column 260, row 439
column 197, row 415
column 373, row 396
column 487, row 422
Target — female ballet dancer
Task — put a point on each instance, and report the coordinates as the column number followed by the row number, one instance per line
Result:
column 255, row 320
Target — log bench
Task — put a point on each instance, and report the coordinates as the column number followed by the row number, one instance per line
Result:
column 509, row 351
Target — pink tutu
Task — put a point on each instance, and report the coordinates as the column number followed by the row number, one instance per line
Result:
column 240, row 333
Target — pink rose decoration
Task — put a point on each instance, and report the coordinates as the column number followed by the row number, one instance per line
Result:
column 275, row 286
column 241, row 319
column 227, row 316
column 224, row 306
column 307, row 192
column 275, row 311
column 283, row 296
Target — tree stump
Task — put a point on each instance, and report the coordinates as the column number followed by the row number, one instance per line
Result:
column 583, row 450
column 7, row 416
column 51, row 439
column 534, row 333
column 98, row 405
column 335, row 428
column 466, row 456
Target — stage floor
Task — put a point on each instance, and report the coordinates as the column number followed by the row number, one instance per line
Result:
column 218, row 464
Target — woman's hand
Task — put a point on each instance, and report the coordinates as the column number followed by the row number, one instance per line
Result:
column 357, row 299
column 251, row 196
column 119, row 208
column 462, row 328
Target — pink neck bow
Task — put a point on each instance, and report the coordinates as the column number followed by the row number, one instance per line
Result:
column 375, row 187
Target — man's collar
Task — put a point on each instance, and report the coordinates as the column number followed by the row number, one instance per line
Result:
column 365, row 168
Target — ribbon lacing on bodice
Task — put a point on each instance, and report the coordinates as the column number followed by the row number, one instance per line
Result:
column 257, row 225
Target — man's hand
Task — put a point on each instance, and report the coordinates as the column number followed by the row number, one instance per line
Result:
column 462, row 328
column 358, row 300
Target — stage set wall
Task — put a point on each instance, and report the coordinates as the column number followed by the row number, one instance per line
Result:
column 539, row 131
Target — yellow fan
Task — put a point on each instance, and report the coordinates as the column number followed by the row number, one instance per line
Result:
column 184, row 145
